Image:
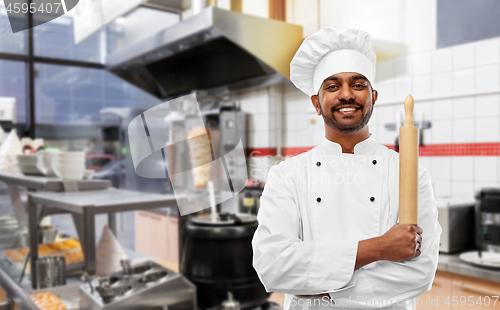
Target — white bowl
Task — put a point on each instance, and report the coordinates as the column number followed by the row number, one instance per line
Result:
column 69, row 161
column 29, row 169
column 72, row 155
column 67, row 172
column 27, row 158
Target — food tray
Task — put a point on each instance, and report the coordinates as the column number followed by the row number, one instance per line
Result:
column 69, row 295
column 22, row 252
column 69, row 267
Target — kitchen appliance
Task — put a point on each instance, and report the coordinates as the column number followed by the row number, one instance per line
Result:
column 227, row 125
column 143, row 286
column 217, row 258
column 488, row 219
column 457, row 221
column 216, row 50
column 249, row 198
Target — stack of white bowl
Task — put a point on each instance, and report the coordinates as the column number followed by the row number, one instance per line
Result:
column 45, row 159
column 69, row 165
column 28, row 164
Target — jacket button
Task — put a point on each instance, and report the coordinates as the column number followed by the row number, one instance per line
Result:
column 318, row 199
column 372, row 199
column 318, row 164
column 374, row 161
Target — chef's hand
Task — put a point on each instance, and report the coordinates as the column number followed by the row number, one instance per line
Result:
column 400, row 242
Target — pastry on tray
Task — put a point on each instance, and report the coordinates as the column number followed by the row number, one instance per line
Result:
column 48, row 301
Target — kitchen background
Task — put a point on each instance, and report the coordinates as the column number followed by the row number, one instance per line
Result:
column 446, row 53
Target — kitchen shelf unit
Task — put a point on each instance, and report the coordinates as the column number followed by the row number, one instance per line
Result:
column 84, row 206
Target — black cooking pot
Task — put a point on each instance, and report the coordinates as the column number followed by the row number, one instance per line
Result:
column 217, row 258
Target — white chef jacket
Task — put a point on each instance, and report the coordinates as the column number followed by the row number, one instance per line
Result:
column 314, row 210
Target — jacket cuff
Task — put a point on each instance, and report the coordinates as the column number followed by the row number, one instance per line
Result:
column 333, row 264
column 351, row 283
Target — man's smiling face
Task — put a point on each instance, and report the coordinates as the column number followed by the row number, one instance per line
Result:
column 345, row 100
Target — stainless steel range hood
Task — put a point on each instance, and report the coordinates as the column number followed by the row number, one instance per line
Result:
column 216, row 50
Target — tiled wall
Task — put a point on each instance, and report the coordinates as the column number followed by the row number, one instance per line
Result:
column 457, row 89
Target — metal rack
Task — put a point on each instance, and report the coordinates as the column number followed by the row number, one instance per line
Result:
column 36, row 183
column 84, row 206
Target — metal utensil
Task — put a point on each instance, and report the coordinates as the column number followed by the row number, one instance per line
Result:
column 47, row 234
column 86, row 278
column 230, row 303
column 125, row 263
column 51, row 271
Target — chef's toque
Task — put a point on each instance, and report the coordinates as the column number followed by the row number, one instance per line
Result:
column 330, row 51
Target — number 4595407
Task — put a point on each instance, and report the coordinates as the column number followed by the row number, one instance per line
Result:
column 32, row 8
column 471, row 301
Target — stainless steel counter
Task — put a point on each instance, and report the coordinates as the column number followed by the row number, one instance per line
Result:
column 452, row 263
column 20, row 292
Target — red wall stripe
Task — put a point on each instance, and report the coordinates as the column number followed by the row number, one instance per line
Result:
column 261, row 151
column 446, row 149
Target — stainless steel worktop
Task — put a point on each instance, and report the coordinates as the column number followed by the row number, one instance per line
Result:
column 452, row 263
column 20, row 292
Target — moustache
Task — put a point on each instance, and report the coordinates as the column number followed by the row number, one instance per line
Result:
column 344, row 102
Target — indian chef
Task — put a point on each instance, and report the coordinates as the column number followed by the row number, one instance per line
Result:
column 328, row 234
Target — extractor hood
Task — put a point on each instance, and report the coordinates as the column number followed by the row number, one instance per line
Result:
column 216, row 50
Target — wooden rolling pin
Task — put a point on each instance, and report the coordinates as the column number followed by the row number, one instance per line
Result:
column 408, row 167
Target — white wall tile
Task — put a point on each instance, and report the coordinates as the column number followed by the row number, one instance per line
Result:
column 463, row 81
column 424, row 161
column 441, row 109
column 402, row 87
column 440, row 168
column 423, row 107
column 385, row 114
column 487, row 105
column 442, row 188
column 421, row 64
column 478, row 185
column 385, row 70
column 462, row 189
column 487, row 78
column 441, row 60
column 441, row 84
column 290, row 120
column 261, row 139
column 487, row 129
column 463, row 130
column 385, row 91
column 486, row 168
column 463, row 107
column 440, row 132
column 463, row 56
column 261, row 122
column 421, row 86
column 403, row 66
column 385, row 136
column 487, row 52
column 462, row 168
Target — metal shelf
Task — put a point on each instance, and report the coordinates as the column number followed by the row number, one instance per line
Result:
column 52, row 184
column 84, row 206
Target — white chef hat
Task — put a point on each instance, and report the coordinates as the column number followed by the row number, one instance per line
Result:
column 330, row 51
